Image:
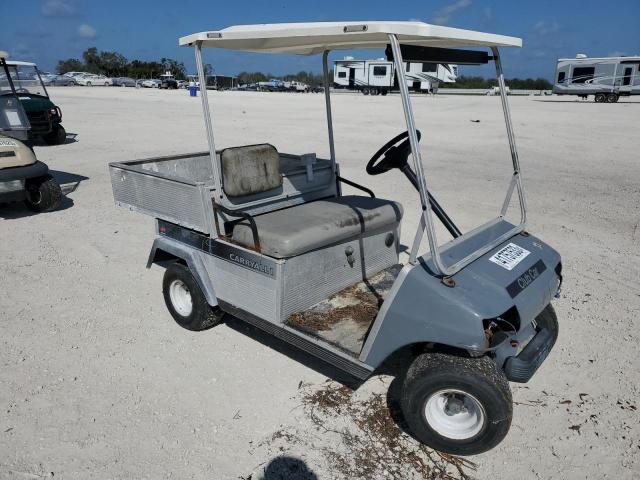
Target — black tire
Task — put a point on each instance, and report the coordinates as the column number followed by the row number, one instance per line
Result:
column 57, row 137
column 549, row 320
column 612, row 98
column 365, row 91
column 201, row 316
column 600, row 98
column 43, row 194
column 384, row 92
column 437, row 380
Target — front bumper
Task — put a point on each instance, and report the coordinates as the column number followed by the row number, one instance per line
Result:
column 520, row 368
column 35, row 170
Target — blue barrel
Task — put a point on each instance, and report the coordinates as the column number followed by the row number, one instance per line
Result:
column 193, row 91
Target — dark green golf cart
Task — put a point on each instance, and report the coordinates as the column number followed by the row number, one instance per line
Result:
column 44, row 116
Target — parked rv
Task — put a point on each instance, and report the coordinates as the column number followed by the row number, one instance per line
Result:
column 607, row 78
column 377, row 77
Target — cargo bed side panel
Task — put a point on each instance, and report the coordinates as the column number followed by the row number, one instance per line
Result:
column 176, row 201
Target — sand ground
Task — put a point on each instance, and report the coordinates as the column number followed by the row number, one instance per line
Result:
column 97, row 381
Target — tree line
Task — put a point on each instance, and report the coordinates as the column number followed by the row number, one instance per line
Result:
column 114, row 64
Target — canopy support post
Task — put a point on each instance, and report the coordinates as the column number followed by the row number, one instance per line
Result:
column 208, row 122
column 517, row 178
column 426, row 221
column 327, row 99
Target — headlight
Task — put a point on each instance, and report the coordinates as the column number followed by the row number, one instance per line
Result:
column 53, row 112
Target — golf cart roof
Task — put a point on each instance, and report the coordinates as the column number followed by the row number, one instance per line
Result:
column 315, row 37
column 17, row 63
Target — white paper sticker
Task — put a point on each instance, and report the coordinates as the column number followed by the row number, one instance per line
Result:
column 13, row 118
column 5, row 142
column 509, row 256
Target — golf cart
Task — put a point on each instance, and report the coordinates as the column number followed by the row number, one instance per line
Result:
column 269, row 238
column 44, row 116
column 22, row 176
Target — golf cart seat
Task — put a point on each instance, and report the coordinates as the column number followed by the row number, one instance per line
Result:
column 255, row 169
column 300, row 229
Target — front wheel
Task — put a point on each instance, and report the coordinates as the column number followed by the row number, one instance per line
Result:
column 57, row 137
column 600, row 98
column 185, row 300
column 612, row 98
column 42, row 194
column 457, row 405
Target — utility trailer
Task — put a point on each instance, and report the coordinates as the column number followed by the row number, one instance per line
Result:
column 270, row 238
column 377, row 77
column 607, row 79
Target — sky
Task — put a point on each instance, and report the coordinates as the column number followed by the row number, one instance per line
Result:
column 45, row 31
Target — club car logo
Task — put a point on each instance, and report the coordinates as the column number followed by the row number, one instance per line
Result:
column 245, row 262
column 529, row 276
column 7, row 143
column 526, row 279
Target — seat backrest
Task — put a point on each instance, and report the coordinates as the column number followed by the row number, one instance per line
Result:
column 250, row 169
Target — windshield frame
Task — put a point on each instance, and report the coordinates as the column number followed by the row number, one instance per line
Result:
column 25, row 125
column 20, row 83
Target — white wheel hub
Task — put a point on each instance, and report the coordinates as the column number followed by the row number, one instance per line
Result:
column 454, row 414
column 180, row 298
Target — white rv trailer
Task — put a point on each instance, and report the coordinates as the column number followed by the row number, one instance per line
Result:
column 378, row 76
column 607, row 78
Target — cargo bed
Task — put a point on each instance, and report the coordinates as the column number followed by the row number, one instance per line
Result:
column 179, row 188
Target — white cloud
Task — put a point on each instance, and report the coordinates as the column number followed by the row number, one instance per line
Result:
column 444, row 14
column 57, row 8
column 87, row 31
column 488, row 13
column 544, row 28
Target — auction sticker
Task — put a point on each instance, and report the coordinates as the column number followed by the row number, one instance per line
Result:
column 509, row 256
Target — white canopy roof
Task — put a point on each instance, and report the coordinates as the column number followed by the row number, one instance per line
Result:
column 20, row 64
column 313, row 38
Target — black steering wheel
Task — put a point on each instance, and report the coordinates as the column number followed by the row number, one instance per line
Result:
column 393, row 156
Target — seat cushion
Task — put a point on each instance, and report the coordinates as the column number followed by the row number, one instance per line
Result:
column 296, row 230
column 250, row 169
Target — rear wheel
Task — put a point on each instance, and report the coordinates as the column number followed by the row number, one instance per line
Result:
column 612, row 98
column 365, row 91
column 43, row 194
column 600, row 98
column 185, row 300
column 457, row 405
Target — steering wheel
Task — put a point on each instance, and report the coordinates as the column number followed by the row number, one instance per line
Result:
column 393, row 155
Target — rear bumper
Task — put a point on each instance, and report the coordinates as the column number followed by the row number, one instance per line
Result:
column 520, row 368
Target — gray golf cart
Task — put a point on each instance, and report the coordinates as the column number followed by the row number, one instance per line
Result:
column 22, row 176
column 269, row 238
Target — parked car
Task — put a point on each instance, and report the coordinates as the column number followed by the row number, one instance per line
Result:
column 123, row 82
column 183, row 84
column 150, row 83
column 75, row 74
column 90, row 80
column 296, row 86
column 168, row 82
column 62, row 81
